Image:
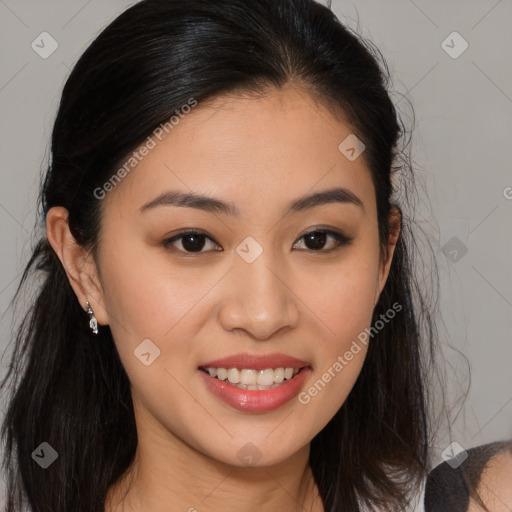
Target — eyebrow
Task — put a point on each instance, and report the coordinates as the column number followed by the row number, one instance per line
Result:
column 213, row 205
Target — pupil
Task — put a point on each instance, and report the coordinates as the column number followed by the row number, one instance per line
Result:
column 311, row 238
column 197, row 242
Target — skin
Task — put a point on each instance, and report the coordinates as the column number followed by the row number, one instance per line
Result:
column 259, row 153
column 494, row 486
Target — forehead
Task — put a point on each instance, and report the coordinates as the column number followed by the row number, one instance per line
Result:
column 252, row 150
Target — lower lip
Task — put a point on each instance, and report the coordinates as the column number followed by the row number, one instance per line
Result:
column 255, row 400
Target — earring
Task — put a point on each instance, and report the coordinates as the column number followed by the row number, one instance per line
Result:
column 93, row 323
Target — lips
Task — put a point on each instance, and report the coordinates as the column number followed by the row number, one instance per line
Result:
column 256, row 401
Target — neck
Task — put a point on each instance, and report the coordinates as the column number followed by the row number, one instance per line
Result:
column 168, row 474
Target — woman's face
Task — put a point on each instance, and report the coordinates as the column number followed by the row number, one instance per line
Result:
column 251, row 286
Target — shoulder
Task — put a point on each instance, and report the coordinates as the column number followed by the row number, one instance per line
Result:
column 495, row 486
column 452, row 485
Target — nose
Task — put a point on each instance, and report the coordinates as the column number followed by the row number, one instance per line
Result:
column 259, row 299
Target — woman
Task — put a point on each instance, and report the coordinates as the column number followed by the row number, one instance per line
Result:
column 228, row 313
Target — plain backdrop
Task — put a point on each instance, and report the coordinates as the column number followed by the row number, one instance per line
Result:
column 462, row 98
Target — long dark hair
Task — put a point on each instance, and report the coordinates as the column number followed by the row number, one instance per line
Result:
column 69, row 388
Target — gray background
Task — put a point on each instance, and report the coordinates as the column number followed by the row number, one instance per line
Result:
column 461, row 148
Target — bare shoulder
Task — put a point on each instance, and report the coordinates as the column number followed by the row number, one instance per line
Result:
column 495, row 485
column 482, row 479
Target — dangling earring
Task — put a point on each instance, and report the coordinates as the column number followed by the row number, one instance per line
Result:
column 93, row 323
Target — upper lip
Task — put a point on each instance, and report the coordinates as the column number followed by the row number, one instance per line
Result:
column 256, row 362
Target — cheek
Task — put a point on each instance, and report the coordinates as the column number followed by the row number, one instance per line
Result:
column 342, row 297
column 345, row 305
column 150, row 297
column 145, row 293
column 344, row 301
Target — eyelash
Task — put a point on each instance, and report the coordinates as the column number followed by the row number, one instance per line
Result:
column 340, row 238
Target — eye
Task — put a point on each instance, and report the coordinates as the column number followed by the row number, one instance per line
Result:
column 193, row 241
column 315, row 239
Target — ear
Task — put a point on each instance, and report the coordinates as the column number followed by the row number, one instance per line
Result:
column 386, row 255
column 78, row 263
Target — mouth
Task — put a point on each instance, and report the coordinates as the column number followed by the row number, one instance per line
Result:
column 253, row 383
column 252, row 379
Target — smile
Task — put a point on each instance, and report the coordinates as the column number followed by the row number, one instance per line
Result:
column 255, row 398
column 251, row 379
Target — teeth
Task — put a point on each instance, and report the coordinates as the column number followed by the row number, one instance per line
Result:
column 266, row 377
column 253, row 387
column 279, row 375
column 234, row 375
column 251, row 379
